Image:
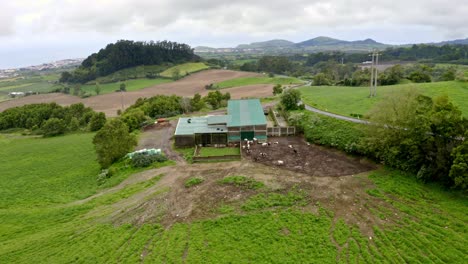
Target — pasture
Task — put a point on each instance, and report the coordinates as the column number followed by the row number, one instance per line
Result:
column 53, row 211
column 257, row 80
column 354, row 100
column 131, row 85
column 184, row 69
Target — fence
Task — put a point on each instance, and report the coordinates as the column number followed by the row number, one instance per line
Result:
column 281, row 131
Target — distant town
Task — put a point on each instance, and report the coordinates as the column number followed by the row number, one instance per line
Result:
column 10, row 73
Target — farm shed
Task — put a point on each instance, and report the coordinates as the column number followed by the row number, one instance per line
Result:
column 199, row 131
column 245, row 119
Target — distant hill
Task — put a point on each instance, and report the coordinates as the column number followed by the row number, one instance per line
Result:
column 275, row 43
column 452, row 42
column 321, row 43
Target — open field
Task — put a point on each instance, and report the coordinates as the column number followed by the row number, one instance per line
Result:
column 188, row 86
column 210, row 152
column 40, row 84
column 131, row 85
column 55, row 213
column 184, row 69
column 353, row 100
column 257, row 80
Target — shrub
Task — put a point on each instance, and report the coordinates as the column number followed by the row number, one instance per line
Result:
column 112, row 142
column 97, row 121
column 144, row 160
column 193, row 181
column 53, row 127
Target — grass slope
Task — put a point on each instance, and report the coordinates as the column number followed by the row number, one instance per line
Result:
column 257, row 80
column 185, row 69
column 131, row 85
column 353, row 100
column 40, row 177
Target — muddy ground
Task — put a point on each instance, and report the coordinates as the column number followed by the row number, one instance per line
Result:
column 188, row 86
column 313, row 160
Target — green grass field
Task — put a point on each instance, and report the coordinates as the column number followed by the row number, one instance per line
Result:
column 353, row 100
column 40, row 84
column 185, row 68
column 40, row 219
column 257, row 80
column 210, row 152
column 131, row 85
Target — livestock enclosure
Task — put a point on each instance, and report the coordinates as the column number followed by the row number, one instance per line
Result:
column 297, row 155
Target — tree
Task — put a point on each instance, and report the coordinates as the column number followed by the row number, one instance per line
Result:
column 97, row 89
column 277, row 89
column 97, row 121
column 399, row 133
column 321, row 79
column 419, row 76
column 415, row 133
column 176, row 74
column 123, row 87
column 459, row 169
column 290, row 99
column 214, row 99
column 197, row 103
column 134, row 118
column 113, row 142
column 65, row 77
column 76, row 89
column 53, row 127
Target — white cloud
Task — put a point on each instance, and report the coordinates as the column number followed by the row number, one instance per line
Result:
column 229, row 22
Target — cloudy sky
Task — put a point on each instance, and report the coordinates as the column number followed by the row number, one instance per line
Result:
column 37, row 31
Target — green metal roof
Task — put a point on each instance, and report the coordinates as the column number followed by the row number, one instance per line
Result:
column 197, row 125
column 247, row 112
column 218, row 119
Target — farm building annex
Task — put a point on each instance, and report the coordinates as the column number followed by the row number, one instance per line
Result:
column 245, row 119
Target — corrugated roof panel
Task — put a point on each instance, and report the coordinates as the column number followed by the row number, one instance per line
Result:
column 248, row 112
column 218, row 119
column 197, row 125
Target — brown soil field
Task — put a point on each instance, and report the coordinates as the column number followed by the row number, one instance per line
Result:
column 188, row 86
column 297, row 155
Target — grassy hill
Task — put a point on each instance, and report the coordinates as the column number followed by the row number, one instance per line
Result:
column 43, row 218
column 135, row 77
column 257, row 80
column 184, row 69
column 353, row 100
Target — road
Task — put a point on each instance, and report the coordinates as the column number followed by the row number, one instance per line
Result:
column 350, row 119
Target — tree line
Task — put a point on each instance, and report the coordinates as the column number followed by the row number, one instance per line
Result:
column 52, row 119
column 125, row 54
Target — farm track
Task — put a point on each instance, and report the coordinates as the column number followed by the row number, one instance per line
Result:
column 188, row 86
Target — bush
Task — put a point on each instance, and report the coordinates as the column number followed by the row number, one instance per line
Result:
column 97, row 121
column 242, row 181
column 53, row 127
column 112, row 142
column 141, row 160
column 193, row 181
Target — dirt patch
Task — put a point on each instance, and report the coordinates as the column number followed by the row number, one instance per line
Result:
column 188, row 86
column 159, row 136
column 294, row 153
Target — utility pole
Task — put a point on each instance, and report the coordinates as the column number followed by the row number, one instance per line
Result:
column 374, row 74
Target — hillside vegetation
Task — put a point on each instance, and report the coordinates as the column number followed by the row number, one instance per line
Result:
column 44, row 218
column 184, row 69
column 125, row 54
column 257, row 80
column 354, row 100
